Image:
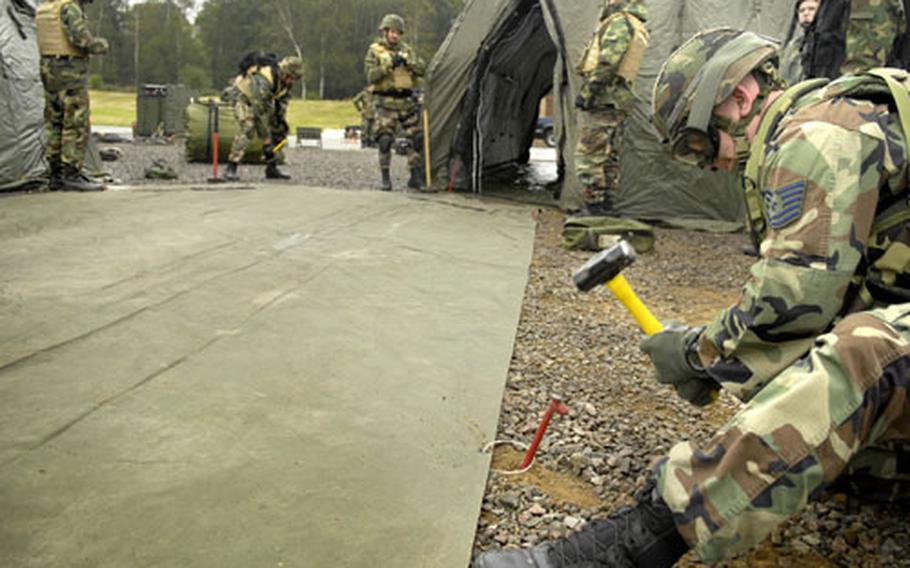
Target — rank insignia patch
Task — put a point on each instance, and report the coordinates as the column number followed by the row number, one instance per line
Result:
column 784, row 205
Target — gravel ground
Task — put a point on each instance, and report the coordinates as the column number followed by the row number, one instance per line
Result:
column 342, row 169
column 583, row 348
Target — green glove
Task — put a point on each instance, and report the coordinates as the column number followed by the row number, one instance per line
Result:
column 672, row 352
column 98, row 46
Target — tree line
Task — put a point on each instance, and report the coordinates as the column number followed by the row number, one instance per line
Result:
column 156, row 42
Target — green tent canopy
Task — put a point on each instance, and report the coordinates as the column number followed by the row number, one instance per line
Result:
column 21, row 98
column 502, row 56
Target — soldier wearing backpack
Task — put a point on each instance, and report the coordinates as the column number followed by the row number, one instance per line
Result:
column 850, row 36
column 818, row 345
column 261, row 93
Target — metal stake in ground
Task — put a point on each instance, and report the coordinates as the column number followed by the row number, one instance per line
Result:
column 214, row 111
column 556, row 405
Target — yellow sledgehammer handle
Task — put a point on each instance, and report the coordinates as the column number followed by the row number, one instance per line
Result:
column 426, row 147
column 624, row 293
column 649, row 324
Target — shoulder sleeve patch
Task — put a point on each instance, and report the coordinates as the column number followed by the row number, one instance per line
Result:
column 784, row 204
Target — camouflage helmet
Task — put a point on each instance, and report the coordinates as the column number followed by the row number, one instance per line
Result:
column 292, row 65
column 696, row 77
column 392, row 22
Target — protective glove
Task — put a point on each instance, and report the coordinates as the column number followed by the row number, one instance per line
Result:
column 98, row 46
column 398, row 60
column 672, row 352
column 581, row 103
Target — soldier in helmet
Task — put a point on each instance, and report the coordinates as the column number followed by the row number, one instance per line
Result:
column 65, row 44
column 393, row 72
column 261, row 93
column 608, row 69
column 818, row 345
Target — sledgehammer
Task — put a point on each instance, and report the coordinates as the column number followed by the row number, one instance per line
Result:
column 605, row 268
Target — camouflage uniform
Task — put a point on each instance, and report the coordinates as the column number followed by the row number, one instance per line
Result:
column 363, row 102
column 872, row 28
column 262, row 112
column 394, row 98
column 64, row 73
column 863, row 35
column 604, row 99
column 791, row 68
column 826, row 394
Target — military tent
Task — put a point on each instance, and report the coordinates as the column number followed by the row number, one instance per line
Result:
column 21, row 97
column 501, row 56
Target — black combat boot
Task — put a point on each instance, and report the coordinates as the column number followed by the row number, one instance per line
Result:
column 642, row 535
column 416, row 181
column 231, row 173
column 272, row 172
column 72, row 179
column 386, row 180
column 54, row 173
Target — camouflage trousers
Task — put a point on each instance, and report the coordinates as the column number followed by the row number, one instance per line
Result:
column 392, row 114
column 249, row 124
column 597, row 153
column 843, row 408
column 66, row 123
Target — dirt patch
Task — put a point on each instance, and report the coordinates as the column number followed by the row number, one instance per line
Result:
column 560, row 487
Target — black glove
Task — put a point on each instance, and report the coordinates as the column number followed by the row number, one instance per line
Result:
column 673, row 353
column 581, row 103
column 398, row 60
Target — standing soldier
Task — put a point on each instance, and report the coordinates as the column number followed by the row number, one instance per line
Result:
column 608, row 70
column 65, row 45
column 261, row 95
column 791, row 67
column 850, row 36
column 393, row 71
column 363, row 102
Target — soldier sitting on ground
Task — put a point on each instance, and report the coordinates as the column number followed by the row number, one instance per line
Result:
column 261, row 93
column 817, row 346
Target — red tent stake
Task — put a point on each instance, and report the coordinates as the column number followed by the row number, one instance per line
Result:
column 556, row 405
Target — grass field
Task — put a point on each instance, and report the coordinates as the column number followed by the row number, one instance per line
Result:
column 115, row 108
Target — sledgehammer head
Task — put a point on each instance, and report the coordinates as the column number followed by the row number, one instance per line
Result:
column 604, row 266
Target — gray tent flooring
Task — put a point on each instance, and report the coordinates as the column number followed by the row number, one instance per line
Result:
column 280, row 377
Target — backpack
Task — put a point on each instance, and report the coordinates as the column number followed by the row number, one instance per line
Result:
column 256, row 58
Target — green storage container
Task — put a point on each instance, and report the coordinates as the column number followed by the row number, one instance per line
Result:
column 161, row 105
column 200, row 123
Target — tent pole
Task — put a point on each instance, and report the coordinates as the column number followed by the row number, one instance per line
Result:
column 426, row 147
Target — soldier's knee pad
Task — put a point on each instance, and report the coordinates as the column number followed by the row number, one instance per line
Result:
column 385, row 143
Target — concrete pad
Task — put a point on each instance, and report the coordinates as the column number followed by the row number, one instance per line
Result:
column 282, row 376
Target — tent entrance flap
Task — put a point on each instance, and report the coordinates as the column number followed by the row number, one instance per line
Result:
column 514, row 72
